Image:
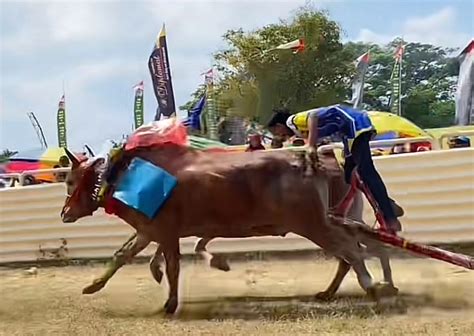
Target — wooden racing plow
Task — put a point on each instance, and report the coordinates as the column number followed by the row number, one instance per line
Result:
column 382, row 234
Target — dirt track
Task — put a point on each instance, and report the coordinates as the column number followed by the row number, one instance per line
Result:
column 254, row 298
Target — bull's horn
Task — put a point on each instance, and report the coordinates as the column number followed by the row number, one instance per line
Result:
column 72, row 157
column 91, row 152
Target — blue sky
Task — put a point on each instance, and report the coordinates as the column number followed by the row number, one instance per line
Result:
column 100, row 50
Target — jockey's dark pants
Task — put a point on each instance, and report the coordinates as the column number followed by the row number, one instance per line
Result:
column 362, row 158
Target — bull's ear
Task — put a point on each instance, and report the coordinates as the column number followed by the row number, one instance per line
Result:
column 91, row 152
column 72, row 157
column 94, row 163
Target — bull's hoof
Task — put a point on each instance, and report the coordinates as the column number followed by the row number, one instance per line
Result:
column 96, row 286
column 324, row 296
column 171, row 305
column 382, row 290
column 155, row 269
column 220, row 263
column 157, row 274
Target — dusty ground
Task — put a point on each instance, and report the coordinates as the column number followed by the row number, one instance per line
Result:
column 254, row 298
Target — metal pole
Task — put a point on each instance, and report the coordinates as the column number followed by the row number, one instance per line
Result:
column 400, row 86
column 211, row 114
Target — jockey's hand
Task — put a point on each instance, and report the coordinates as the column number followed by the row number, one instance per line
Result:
column 313, row 153
column 313, row 158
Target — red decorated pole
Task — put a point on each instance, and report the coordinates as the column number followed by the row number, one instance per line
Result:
column 426, row 250
column 394, row 240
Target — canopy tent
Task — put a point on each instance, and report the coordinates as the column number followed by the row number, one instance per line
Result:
column 35, row 159
column 392, row 126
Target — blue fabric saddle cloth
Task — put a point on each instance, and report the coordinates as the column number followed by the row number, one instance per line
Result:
column 145, row 187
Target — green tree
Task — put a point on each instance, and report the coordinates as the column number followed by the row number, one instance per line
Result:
column 6, row 155
column 257, row 79
column 429, row 78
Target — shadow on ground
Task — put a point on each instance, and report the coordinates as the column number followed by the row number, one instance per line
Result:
column 294, row 307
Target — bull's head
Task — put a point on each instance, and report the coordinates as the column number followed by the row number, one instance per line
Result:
column 83, row 185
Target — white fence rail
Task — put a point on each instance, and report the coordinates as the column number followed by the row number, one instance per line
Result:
column 436, row 189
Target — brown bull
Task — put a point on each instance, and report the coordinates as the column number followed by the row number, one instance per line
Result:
column 335, row 185
column 233, row 195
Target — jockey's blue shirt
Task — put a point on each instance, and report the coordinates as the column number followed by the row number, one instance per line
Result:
column 341, row 121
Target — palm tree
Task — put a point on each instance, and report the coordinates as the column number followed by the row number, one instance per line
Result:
column 6, row 155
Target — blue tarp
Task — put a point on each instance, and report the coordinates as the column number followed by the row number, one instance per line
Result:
column 145, row 187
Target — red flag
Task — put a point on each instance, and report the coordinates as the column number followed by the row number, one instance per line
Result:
column 469, row 49
column 208, row 76
column 399, row 52
column 140, row 86
column 296, row 45
column 365, row 58
column 62, row 101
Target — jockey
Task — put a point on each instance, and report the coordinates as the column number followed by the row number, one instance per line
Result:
column 355, row 130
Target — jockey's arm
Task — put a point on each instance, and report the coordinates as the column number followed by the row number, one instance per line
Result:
column 313, row 130
column 313, row 137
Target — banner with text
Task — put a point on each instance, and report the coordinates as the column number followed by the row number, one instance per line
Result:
column 138, row 105
column 160, row 72
column 61, row 123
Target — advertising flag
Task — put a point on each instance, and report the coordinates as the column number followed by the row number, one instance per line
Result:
column 138, row 105
column 158, row 64
column 362, row 64
column 465, row 89
column 61, row 123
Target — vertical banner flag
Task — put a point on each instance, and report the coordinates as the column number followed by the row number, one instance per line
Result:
column 362, row 64
column 138, row 105
column 396, row 80
column 465, row 90
column 160, row 72
column 61, row 123
column 211, row 108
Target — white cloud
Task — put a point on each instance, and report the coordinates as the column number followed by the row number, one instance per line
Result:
column 367, row 35
column 72, row 21
column 100, row 50
column 46, row 24
column 439, row 28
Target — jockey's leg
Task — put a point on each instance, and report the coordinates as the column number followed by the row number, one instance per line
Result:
column 349, row 166
column 398, row 210
column 371, row 178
